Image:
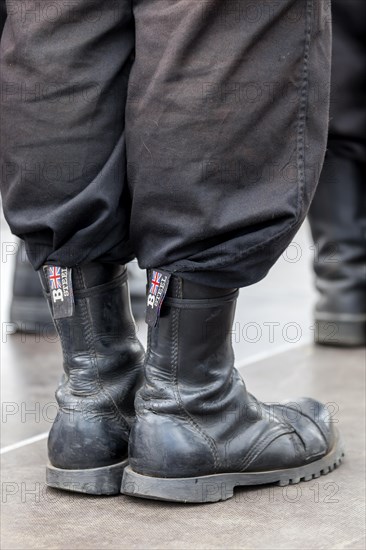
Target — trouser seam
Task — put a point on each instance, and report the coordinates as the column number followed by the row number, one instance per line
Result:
column 304, row 98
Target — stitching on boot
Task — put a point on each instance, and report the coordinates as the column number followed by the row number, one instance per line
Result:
column 299, row 450
column 62, row 338
column 66, row 355
column 182, row 303
column 119, row 415
column 78, row 276
column 312, row 420
column 178, row 399
column 89, row 332
column 262, row 444
column 148, row 351
column 292, row 430
column 99, row 289
column 88, row 335
column 149, row 336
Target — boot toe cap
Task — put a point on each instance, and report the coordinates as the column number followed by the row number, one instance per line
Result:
column 314, row 422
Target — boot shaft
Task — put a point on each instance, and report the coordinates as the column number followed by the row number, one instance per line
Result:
column 190, row 384
column 194, row 328
column 100, row 336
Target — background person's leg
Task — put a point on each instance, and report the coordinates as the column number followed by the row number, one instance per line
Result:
column 347, row 106
column 226, row 128
column 338, row 212
column 64, row 71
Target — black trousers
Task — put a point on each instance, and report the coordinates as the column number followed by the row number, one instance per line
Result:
column 187, row 133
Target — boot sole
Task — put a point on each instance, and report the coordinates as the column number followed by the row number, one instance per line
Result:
column 213, row 488
column 94, row 481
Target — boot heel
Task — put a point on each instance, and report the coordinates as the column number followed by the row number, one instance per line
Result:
column 94, row 481
column 204, row 489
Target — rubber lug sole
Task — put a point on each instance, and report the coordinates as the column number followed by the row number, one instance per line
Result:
column 217, row 487
column 94, row 481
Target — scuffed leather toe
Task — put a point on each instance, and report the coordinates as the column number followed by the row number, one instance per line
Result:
column 314, row 424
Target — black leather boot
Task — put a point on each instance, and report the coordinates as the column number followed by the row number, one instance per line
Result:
column 88, row 442
column 338, row 223
column 198, row 432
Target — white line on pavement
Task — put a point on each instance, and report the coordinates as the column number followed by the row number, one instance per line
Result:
column 23, row 443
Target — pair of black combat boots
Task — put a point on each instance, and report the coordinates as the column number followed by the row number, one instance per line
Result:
column 177, row 424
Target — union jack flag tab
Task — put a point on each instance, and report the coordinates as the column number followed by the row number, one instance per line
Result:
column 155, row 282
column 61, row 292
column 54, row 277
column 158, row 285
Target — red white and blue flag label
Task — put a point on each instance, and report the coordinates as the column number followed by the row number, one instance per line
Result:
column 54, row 277
column 155, row 282
column 61, row 293
column 157, row 287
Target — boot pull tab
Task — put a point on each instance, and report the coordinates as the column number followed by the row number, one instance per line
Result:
column 157, row 286
column 59, row 281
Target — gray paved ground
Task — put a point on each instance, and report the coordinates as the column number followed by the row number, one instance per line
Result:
column 325, row 513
